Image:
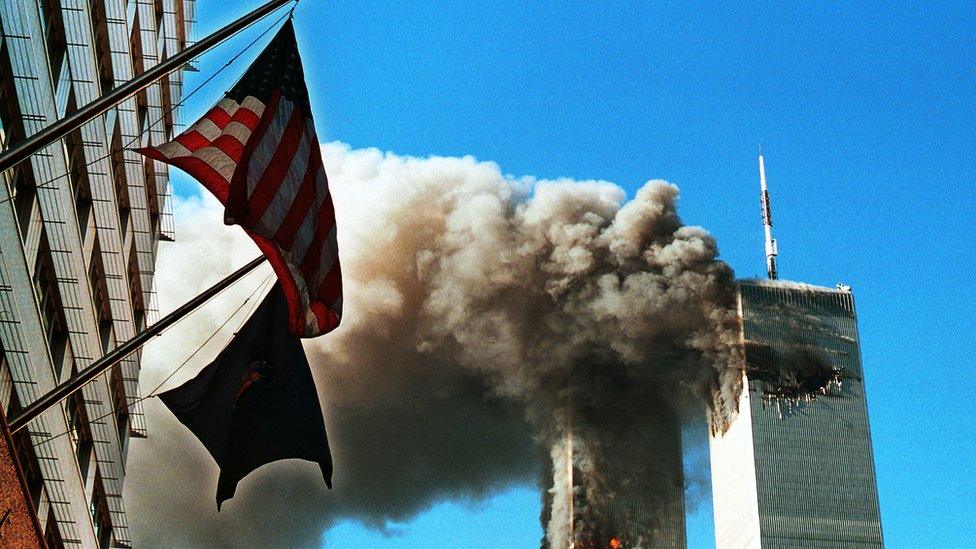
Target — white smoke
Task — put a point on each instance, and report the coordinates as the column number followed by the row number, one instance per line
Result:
column 483, row 314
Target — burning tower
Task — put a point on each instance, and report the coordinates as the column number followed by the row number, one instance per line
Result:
column 796, row 468
column 619, row 485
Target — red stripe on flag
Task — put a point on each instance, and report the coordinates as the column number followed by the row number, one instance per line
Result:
column 193, row 140
column 276, row 170
column 327, row 318
column 154, row 153
column 218, row 116
column 299, row 207
column 331, row 287
column 247, row 117
column 230, row 145
column 296, row 322
column 236, row 203
column 205, row 173
column 325, row 223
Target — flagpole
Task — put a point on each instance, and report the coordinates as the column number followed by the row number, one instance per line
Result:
column 21, row 151
column 69, row 386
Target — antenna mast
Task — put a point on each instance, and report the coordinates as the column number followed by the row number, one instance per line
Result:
column 767, row 215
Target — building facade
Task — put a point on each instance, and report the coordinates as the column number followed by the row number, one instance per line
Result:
column 80, row 223
column 793, row 471
column 642, row 471
column 623, row 490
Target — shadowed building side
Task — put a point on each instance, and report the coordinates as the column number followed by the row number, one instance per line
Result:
column 645, row 507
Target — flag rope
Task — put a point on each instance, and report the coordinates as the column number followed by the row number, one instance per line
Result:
column 45, row 184
column 257, row 290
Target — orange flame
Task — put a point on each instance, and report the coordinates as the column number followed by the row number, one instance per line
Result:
column 615, row 543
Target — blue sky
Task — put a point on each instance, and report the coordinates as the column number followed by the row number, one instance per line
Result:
column 867, row 119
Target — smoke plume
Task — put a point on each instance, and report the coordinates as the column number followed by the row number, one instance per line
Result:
column 486, row 319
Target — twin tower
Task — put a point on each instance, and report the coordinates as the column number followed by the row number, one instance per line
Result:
column 796, row 467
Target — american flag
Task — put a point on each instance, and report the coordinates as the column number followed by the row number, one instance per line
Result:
column 257, row 151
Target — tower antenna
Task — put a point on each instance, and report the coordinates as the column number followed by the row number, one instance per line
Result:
column 767, row 215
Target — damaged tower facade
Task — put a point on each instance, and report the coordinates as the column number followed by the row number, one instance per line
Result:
column 796, row 467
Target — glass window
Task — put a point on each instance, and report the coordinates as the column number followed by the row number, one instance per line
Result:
column 99, row 514
column 52, row 313
column 53, row 28
column 79, row 432
column 120, row 405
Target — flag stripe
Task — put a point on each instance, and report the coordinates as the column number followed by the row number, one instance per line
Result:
column 303, row 237
column 239, row 131
column 247, row 116
column 208, row 129
column 270, row 139
column 172, row 149
column 219, row 161
column 331, row 286
column 257, row 151
column 284, row 198
column 213, row 180
column 273, row 175
column 231, row 147
column 311, row 259
column 328, row 254
column 220, row 115
column 192, row 139
column 298, row 214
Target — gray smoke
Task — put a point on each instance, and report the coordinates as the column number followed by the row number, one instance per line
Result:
column 485, row 316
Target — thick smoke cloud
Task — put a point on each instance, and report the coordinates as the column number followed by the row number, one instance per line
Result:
column 485, row 315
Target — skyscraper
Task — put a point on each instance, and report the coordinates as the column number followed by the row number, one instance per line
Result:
column 794, row 471
column 624, row 490
column 79, row 227
column 796, row 468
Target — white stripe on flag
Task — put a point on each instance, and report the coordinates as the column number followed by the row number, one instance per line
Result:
column 284, row 199
column 303, row 237
column 268, row 145
column 327, row 258
column 218, row 160
column 238, row 131
column 173, row 149
column 207, row 129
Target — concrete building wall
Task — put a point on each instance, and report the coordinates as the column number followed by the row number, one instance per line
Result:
column 79, row 227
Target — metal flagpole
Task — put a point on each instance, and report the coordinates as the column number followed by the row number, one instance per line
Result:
column 66, row 125
column 115, row 356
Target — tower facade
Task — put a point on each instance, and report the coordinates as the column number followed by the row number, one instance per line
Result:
column 625, row 490
column 796, row 467
column 80, row 223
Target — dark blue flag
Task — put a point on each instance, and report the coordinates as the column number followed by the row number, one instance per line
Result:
column 256, row 403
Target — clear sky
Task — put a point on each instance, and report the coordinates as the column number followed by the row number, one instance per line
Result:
column 866, row 116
